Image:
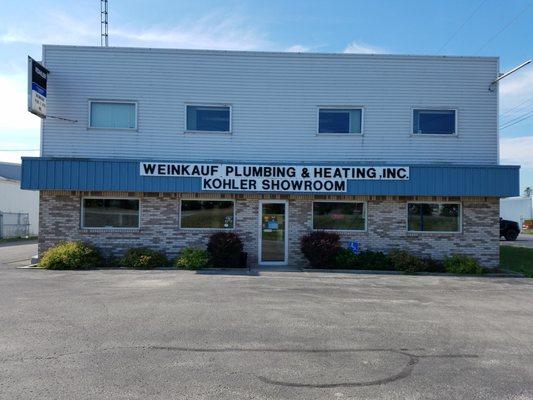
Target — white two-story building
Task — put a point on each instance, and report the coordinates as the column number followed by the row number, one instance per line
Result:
column 162, row 147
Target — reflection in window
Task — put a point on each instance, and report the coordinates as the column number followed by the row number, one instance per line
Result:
column 434, row 217
column 207, row 214
column 434, row 122
column 334, row 120
column 339, row 216
column 110, row 213
column 112, row 115
column 208, row 118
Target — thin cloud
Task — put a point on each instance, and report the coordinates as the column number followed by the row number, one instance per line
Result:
column 363, row 48
column 517, row 150
column 516, row 89
column 214, row 31
column 13, row 104
column 297, row 48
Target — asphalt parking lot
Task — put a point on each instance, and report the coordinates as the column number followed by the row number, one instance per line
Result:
column 523, row 240
column 276, row 335
column 16, row 254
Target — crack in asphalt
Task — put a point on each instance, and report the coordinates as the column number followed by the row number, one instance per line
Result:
column 406, row 371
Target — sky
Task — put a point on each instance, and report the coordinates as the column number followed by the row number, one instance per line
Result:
column 501, row 28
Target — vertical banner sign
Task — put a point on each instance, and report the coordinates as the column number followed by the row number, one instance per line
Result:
column 37, row 79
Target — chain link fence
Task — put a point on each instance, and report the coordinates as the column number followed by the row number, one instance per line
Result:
column 13, row 225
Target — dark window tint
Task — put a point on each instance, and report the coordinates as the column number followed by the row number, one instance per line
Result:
column 339, row 216
column 434, row 121
column 110, row 213
column 208, row 118
column 206, row 214
column 339, row 120
column 434, row 217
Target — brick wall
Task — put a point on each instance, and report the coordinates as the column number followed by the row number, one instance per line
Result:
column 386, row 226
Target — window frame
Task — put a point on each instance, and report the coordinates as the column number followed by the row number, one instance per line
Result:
column 365, row 211
column 443, row 108
column 134, row 102
column 460, row 231
column 196, row 131
column 340, row 107
column 206, row 229
column 108, row 228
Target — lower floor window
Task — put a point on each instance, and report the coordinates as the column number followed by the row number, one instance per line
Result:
column 434, row 217
column 339, row 216
column 110, row 213
column 207, row 214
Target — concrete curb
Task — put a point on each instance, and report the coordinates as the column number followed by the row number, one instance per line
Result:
column 506, row 274
column 257, row 271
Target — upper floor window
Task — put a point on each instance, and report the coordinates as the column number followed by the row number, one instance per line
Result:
column 340, row 120
column 113, row 114
column 208, row 118
column 434, row 217
column 434, row 122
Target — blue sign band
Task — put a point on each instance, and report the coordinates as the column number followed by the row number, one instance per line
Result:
column 38, row 89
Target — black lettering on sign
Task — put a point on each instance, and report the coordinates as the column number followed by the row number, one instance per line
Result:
column 402, row 173
column 149, row 169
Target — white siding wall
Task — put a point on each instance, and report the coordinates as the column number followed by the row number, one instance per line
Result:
column 274, row 98
column 15, row 200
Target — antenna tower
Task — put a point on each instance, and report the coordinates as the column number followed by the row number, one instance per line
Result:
column 104, row 35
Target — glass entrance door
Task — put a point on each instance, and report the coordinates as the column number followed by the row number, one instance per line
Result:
column 273, row 241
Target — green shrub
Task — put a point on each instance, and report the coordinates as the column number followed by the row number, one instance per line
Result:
column 143, row 258
column 191, row 258
column 432, row 265
column 71, row 255
column 404, row 261
column 225, row 249
column 346, row 259
column 374, row 260
column 366, row 260
column 320, row 248
column 462, row 264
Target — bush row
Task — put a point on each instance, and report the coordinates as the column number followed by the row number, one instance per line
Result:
column 223, row 250
column 323, row 250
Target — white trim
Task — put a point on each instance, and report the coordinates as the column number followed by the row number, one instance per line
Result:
column 443, row 108
column 134, row 102
column 206, row 229
column 340, row 107
column 434, row 232
column 240, row 53
column 260, row 234
column 195, row 131
column 365, row 213
column 108, row 228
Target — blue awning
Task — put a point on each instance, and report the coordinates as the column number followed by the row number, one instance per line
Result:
column 42, row 173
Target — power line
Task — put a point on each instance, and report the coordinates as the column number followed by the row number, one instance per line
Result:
column 505, row 27
column 514, row 108
column 462, row 26
column 517, row 120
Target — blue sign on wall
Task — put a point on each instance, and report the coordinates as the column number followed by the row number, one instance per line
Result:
column 354, row 246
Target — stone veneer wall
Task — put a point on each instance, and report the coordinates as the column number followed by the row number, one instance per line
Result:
column 386, row 226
